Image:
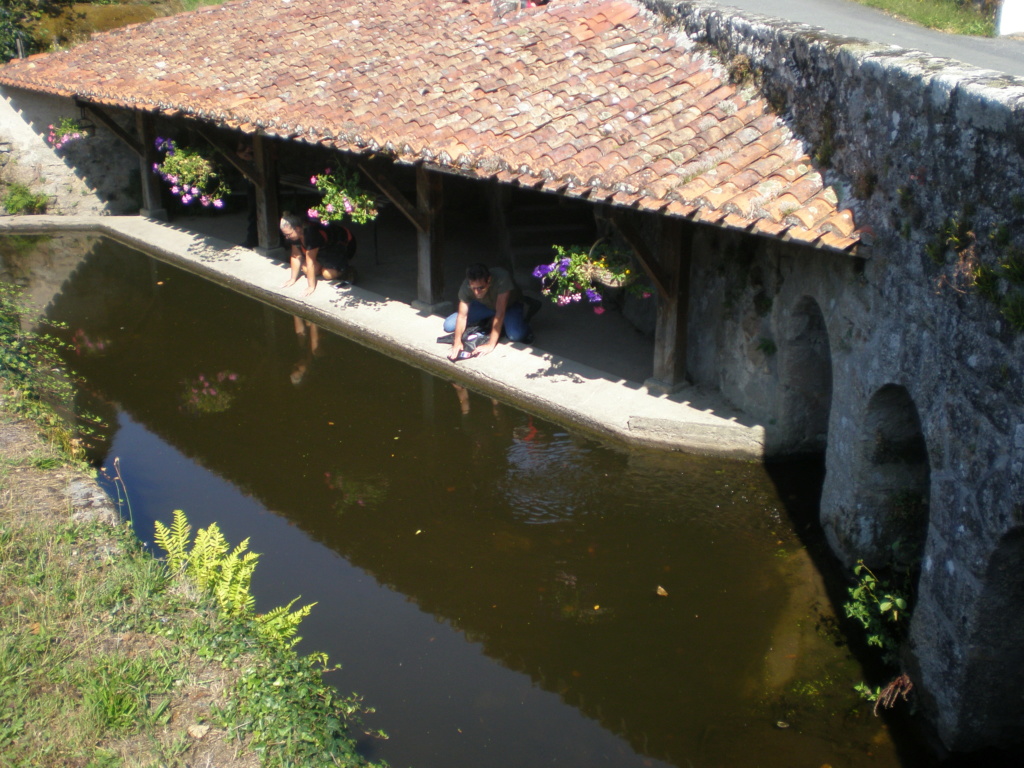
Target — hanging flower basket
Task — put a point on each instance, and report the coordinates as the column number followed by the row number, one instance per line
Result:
column 581, row 272
column 344, row 198
column 65, row 131
column 193, row 175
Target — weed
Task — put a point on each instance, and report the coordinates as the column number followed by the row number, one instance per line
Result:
column 1013, row 310
column 1013, row 266
column 766, row 347
column 741, row 71
column 19, row 199
column 763, row 303
column 882, row 608
column 1000, row 236
column 986, row 283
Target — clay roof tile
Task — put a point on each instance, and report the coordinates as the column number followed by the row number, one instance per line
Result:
column 588, row 94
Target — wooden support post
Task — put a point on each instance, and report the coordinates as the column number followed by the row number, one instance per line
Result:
column 152, row 188
column 430, row 243
column 499, row 198
column 673, row 310
column 268, row 211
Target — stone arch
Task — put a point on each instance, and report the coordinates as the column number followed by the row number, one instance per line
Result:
column 994, row 672
column 805, row 375
column 891, row 480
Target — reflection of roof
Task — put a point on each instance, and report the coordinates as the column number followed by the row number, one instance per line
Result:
column 588, row 97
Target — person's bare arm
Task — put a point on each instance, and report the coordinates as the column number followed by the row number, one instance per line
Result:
column 296, row 265
column 312, row 270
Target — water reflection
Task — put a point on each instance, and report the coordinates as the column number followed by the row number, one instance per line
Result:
column 543, row 550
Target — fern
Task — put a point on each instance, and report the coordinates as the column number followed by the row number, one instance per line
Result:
column 174, row 541
column 227, row 576
column 281, row 624
column 207, row 553
column 232, row 582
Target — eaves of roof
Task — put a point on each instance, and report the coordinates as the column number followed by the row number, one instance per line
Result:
column 591, row 98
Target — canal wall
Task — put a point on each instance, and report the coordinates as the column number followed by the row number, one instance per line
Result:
column 922, row 337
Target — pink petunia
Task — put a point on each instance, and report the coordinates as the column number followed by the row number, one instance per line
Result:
column 598, row 310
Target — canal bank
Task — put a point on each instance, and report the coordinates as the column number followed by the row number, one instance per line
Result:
column 607, row 399
column 128, row 662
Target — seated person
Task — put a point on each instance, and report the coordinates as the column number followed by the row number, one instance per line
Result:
column 488, row 293
column 317, row 250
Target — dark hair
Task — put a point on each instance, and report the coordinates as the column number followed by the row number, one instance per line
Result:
column 477, row 272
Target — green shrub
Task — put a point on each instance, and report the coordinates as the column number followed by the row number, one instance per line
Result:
column 19, row 199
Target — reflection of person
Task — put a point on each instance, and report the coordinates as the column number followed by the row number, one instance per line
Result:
column 244, row 151
column 463, row 395
column 487, row 293
column 317, row 251
column 308, row 336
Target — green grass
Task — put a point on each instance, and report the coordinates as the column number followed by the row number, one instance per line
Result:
column 943, row 15
column 120, row 658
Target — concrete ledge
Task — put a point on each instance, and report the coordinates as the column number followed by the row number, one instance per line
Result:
column 562, row 390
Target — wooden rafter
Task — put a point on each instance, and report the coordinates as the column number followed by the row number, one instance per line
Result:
column 394, row 194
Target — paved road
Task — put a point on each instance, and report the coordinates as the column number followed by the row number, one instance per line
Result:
column 845, row 17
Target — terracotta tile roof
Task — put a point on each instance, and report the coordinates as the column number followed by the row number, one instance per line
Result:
column 590, row 98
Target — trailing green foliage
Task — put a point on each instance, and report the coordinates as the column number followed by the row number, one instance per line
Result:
column 882, row 608
column 32, row 374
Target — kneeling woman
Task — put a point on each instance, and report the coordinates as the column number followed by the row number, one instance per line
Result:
column 317, row 251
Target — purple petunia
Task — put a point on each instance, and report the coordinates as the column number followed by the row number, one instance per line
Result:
column 542, row 269
column 593, row 296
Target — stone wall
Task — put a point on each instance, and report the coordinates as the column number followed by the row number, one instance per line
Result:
column 95, row 175
column 923, row 390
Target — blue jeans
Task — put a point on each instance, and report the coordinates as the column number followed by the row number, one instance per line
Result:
column 515, row 324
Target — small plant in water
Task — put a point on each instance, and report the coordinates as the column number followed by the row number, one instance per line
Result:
column 883, row 609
